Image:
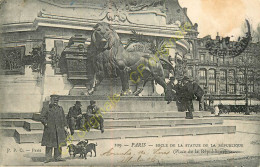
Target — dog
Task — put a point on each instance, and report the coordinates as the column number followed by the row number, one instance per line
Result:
column 89, row 148
column 75, row 149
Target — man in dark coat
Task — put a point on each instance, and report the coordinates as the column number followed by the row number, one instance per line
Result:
column 199, row 93
column 179, row 96
column 94, row 116
column 170, row 92
column 187, row 97
column 55, row 125
column 74, row 117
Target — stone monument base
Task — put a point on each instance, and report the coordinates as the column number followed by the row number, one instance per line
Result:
column 116, row 103
column 111, row 86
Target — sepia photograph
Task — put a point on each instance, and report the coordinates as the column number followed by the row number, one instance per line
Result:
column 130, row 83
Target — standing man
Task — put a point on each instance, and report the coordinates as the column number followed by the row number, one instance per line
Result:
column 187, row 97
column 179, row 95
column 170, row 92
column 93, row 114
column 55, row 127
column 74, row 117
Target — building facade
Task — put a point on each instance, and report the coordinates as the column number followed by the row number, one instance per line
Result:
column 226, row 74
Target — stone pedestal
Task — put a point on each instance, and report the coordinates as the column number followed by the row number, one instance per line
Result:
column 21, row 93
column 115, row 103
column 55, row 84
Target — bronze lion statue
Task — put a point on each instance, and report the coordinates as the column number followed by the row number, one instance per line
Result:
column 111, row 58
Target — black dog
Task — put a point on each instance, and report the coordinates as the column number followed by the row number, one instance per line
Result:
column 74, row 150
column 89, row 148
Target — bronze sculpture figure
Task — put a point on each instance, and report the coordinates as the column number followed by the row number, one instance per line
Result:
column 109, row 55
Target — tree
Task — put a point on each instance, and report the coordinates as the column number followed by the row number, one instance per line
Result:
column 249, row 61
column 255, row 33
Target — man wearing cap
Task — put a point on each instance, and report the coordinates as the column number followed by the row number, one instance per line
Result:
column 55, row 127
column 94, row 116
column 74, row 117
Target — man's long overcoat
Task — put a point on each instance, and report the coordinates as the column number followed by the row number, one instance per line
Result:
column 53, row 118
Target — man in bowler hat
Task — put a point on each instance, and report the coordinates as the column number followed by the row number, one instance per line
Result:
column 74, row 117
column 179, row 95
column 170, row 92
column 187, row 97
column 55, row 127
column 94, row 116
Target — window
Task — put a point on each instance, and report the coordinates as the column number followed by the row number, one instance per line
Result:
column 240, row 76
column 202, row 74
column 250, row 76
column 206, row 58
column 221, row 59
column 231, row 60
column 231, row 89
column 242, row 88
column 231, row 75
column 190, row 72
column 212, row 74
column 223, row 75
column 211, row 58
column 212, row 88
column 223, row 81
column 250, row 88
column 202, row 58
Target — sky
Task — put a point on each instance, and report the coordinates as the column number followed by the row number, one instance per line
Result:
column 223, row 16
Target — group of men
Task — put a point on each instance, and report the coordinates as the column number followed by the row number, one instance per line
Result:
column 57, row 125
column 184, row 92
column 77, row 120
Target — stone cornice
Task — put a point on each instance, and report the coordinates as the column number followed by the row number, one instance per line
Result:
column 17, row 27
column 50, row 20
column 74, row 4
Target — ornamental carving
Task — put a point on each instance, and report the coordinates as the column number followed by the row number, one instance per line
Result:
column 116, row 10
column 11, row 58
column 137, row 5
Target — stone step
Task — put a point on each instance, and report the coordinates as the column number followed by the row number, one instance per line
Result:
column 137, row 123
column 33, row 125
column 12, row 122
column 151, row 115
column 144, row 115
column 160, row 122
column 28, row 124
column 10, row 115
column 23, row 136
column 7, row 131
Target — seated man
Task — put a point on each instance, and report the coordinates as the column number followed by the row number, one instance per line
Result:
column 74, row 117
column 94, row 117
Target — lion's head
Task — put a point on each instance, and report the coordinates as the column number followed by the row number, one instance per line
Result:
column 104, row 36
